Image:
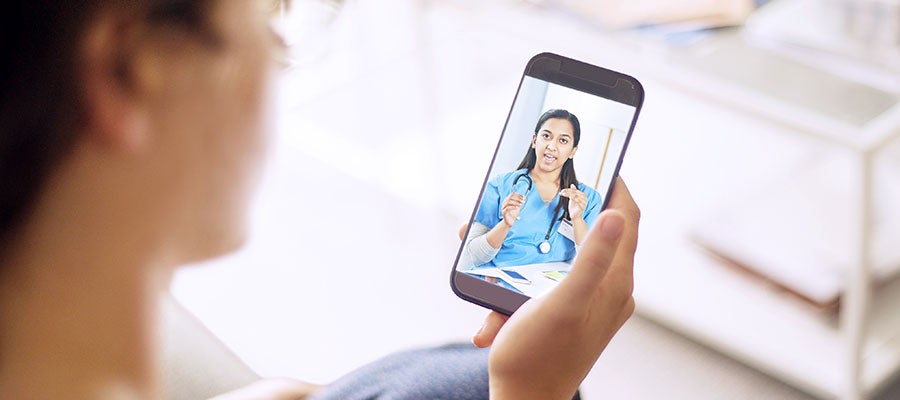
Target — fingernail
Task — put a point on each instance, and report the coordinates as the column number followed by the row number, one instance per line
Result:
column 612, row 226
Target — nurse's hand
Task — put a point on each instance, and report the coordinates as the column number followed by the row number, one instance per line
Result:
column 577, row 201
column 546, row 348
column 511, row 207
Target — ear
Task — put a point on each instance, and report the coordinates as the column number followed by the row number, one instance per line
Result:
column 534, row 141
column 111, row 106
column 574, row 150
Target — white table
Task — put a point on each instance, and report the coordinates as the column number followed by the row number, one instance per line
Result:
column 534, row 273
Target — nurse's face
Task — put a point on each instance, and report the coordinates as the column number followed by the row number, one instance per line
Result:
column 553, row 144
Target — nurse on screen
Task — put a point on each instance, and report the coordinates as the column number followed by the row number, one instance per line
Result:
column 540, row 212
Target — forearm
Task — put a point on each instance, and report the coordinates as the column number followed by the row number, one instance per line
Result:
column 536, row 391
column 477, row 251
column 581, row 230
column 497, row 234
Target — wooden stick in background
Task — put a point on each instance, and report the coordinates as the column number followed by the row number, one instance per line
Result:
column 603, row 160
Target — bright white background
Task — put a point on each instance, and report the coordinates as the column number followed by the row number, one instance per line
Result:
column 387, row 126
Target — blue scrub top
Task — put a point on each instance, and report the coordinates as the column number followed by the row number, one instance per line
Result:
column 521, row 244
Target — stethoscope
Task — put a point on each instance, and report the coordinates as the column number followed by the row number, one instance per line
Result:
column 544, row 246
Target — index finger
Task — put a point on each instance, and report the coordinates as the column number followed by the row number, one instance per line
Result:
column 492, row 324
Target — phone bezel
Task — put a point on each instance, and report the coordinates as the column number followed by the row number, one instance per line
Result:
column 576, row 75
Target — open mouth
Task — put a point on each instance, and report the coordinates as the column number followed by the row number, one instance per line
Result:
column 549, row 159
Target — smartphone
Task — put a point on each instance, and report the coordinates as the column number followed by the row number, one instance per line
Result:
column 516, row 277
column 564, row 138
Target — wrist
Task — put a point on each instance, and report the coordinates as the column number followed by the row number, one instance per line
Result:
column 524, row 391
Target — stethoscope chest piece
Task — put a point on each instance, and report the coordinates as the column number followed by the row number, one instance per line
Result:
column 544, row 247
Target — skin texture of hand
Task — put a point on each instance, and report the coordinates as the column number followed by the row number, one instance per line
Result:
column 577, row 201
column 577, row 205
column 547, row 347
column 511, row 207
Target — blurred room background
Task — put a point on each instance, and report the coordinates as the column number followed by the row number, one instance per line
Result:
column 764, row 162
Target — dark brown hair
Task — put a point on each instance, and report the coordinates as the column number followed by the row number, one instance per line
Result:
column 40, row 104
column 567, row 175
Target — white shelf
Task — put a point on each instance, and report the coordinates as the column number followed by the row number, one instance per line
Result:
column 757, row 111
column 686, row 290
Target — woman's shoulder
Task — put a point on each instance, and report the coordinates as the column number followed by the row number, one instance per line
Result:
column 589, row 191
column 515, row 173
column 500, row 179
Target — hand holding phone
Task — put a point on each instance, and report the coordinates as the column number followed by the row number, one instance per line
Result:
column 565, row 331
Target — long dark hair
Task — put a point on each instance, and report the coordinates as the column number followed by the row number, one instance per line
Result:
column 567, row 175
column 40, row 99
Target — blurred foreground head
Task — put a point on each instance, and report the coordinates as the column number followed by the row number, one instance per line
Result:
column 145, row 117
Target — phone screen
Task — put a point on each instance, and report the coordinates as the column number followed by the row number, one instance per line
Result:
column 550, row 178
column 515, row 275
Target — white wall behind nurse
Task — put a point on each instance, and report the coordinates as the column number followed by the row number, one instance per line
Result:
column 525, row 113
column 597, row 117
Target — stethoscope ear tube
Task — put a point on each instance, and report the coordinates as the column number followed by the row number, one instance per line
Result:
column 544, row 246
column 527, row 191
column 527, row 179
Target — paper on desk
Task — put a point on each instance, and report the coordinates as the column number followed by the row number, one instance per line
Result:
column 800, row 231
column 540, row 283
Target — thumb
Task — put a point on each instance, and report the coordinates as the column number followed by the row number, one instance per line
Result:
column 596, row 254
